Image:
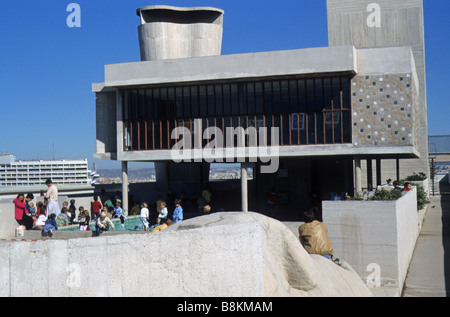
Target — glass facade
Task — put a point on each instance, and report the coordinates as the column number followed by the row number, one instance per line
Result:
column 307, row 111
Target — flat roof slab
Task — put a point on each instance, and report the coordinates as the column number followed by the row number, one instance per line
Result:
column 223, row 67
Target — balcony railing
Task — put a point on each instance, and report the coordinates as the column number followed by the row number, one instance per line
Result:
column 305, row 111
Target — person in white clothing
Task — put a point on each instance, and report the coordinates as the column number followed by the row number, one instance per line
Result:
column 162, row 216
column 103, row 223
column 52, row 196
column 40, row 222
column 144, row 216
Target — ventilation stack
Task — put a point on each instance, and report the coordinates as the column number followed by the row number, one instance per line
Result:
column 168, row 32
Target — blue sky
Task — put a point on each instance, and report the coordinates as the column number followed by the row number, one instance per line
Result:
column 47, row 68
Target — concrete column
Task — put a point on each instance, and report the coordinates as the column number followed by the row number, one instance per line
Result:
column 358, row 187
column 369, row 175
column 378, row 172
column 244, row 190
column 125, row 187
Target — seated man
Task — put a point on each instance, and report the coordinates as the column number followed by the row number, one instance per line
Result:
column 314, row 237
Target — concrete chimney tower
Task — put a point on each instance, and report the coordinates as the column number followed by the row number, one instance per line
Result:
column 168, row 32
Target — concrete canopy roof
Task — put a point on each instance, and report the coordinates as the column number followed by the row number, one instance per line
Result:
column 235, row 66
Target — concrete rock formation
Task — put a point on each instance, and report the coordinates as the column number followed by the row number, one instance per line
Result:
column 288, row 269
column 222, row 254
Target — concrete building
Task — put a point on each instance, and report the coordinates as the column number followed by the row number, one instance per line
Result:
column 20, row 173
column 309, row 121
column 385, row 23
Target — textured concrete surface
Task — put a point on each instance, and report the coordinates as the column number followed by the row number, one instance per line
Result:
column 375, row 234
column 401, row 25
column 222, row 254
column 168, row 32
column 428, row 274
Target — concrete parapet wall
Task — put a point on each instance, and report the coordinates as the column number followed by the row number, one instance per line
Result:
column 8, row 223
column 129, row 266
column 232, row 254
column 377, row 238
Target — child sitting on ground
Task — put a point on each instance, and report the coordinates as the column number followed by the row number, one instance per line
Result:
column 40, row 221
column 103, row 223
column 50, row 226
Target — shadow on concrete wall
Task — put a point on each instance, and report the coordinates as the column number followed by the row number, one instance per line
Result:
column 444, row 189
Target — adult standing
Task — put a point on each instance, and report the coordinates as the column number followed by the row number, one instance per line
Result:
column 52, row 196
column 20, row 209
column 31, row 216
column 206, row 194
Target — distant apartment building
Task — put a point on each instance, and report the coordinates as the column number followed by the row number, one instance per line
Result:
column 34, row 173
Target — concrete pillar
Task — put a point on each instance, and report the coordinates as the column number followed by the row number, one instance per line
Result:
column 378, row 172
column 244, row 189
column 358, row 187
column 125, row 187
column 369, row 175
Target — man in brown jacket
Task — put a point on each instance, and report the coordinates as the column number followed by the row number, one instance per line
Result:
column 314, row 236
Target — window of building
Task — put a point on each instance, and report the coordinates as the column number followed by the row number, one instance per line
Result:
column 307, row 111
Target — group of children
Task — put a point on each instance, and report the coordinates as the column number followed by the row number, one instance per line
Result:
column 406, row 186
column 67, row 217
column 36, row 218
column 161, row 221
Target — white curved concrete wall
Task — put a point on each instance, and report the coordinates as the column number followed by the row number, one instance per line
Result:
column 169, row 40
column 168, row 32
